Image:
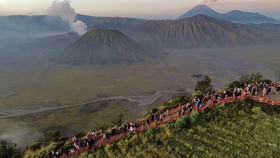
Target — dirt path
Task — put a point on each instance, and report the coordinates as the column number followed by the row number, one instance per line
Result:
column 141, row 100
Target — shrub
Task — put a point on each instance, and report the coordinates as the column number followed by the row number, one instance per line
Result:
column 208, row 114
column 183, row 122
column 154, row 110
column 52, row 135
column 179, row 100
column 80, row 134
column 194, row 117
column 256, row 110
column 100, row 153
column 161, row 109
column 9, row 150
column 222, row 106
column 276, row 151
column 266, row 81
column 197, row 94
column 151, row 133
column 128, row 136
column 51, row 146
column 42, row 154
column 235, row 84
column 35, row 146
column 257, row 77
column 86, row 155
column 204, row 85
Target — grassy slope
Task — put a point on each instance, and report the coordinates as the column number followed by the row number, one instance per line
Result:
column 247, row 132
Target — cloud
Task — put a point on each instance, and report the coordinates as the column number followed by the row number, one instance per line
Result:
column 62, row 9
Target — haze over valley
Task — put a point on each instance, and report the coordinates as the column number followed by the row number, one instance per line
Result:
column 60, row 70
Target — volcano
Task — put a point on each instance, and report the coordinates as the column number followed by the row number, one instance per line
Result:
column 100, row 46
column 199, row 31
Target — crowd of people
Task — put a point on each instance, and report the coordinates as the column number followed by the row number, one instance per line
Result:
column 90, row 141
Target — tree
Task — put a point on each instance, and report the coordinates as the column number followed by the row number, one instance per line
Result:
column 9, row 150
column 183, row 122
column 256, row 77
column 235, row 84
column 204, row 85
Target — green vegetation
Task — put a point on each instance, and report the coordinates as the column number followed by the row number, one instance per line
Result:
column 204, row 86
column 248, row 78
column 238, row 129
column 172, row 103
column 224, row 114
column 9, row 150
column 43, row 147
column 257, row 77
column 182, row 123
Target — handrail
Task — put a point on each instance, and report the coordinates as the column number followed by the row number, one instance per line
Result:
column 171, row 115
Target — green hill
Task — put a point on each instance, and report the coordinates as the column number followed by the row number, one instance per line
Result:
column 239, row 129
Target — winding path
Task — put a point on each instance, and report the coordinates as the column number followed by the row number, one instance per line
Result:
column 141, row 100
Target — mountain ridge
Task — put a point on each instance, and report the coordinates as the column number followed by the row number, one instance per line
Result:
column 197, row 31
column 233, row 16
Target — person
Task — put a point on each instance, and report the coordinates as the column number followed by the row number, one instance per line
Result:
column 264, row 92
column 197, row 102
column 160, row 117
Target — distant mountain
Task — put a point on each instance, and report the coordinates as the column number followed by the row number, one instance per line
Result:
column 99, row 22
column 198, row 31
column 59, row 41
column 201, row 9
column 233, row 16
column 99, row 46
column 38, row 23
column 41, row 23
column 247, row 17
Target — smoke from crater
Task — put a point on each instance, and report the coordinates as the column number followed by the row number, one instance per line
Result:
column 62, row 9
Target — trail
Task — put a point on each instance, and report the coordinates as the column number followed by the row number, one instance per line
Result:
column 168, row 116
column 141, row 100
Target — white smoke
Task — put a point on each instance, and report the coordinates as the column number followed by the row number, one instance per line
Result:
column 62, row 8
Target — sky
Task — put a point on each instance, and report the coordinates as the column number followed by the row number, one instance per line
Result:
column 148, row 9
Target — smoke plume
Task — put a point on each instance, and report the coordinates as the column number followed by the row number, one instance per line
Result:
column 62, row 8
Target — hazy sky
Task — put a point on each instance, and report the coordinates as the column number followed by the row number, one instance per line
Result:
column 150, row 9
